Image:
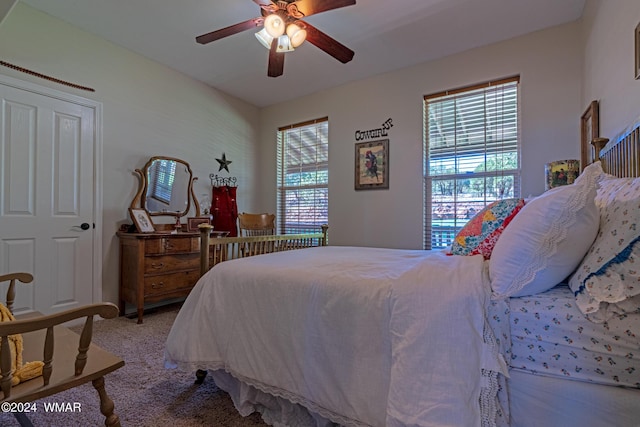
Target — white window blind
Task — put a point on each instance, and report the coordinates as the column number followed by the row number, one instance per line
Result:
column 162, row 180
column 472, row 156
column 303, row 177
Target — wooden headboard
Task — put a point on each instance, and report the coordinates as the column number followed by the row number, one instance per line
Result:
column 620, row 157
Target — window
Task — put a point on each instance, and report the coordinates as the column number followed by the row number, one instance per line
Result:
column 471, row 155
column 162, row 178
column 303, row 177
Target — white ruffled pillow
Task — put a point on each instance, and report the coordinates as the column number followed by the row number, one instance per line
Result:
column 548, row 238
column 607, row 282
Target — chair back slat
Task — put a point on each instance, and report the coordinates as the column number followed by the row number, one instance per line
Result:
column 262, row 224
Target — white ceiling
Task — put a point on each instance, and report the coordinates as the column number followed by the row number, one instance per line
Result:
column 385, row 34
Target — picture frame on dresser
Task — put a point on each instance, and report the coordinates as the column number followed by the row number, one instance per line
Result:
column 589, row 129
column 142, row 220
column 194, row 222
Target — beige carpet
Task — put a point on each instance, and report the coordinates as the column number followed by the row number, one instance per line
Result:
column 144, row 392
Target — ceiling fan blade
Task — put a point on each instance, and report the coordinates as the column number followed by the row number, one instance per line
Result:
column 229, row 31
column 328, row 44
column 310, row 7
column 276, row 60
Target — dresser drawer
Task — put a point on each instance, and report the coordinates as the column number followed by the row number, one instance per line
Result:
column 169, row 245
column 157, row 267
column 168, row 263
column 168, row 283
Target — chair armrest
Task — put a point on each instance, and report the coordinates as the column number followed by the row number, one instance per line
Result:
column 105, row 310
column 21, row 326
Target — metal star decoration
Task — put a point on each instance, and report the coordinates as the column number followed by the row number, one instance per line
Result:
column 224, row 163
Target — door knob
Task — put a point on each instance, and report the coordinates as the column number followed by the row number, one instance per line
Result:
column 85, row 226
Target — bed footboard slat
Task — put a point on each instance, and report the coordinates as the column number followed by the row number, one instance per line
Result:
column 219, row 249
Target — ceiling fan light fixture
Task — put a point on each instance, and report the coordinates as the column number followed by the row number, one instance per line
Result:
column 275, row 25
column 264, row 38
column 297, row 34
column 284, row 29
column 284, row 44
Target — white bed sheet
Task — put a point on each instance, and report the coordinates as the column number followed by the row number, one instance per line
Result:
column 550, row 336
column 539, row 401
column 361, row 336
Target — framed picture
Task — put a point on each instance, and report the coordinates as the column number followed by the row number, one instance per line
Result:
column 142, row 220
column 372, row 165
column 637, row 52
column 561, row 172
column 194, row 222
column 589, row 129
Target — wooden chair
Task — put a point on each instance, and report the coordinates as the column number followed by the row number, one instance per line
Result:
column 263, row 224
column 77, row 360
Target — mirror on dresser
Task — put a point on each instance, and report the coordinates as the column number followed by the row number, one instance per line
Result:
column 163, row 264
column 166, row 188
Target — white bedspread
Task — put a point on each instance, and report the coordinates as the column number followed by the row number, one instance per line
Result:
column 362, row 336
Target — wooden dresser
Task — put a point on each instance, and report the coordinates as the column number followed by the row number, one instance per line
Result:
column 155, row 267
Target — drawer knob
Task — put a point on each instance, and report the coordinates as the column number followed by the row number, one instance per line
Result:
column 157, row 285
column 158, row 265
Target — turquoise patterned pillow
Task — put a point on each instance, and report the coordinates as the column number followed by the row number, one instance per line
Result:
column 481, row 233
column 607, row 282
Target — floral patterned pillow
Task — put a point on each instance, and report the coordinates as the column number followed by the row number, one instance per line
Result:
column 481, row 233
column 607, row 282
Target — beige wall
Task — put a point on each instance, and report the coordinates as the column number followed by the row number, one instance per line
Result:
column 549, row 63
column 609, row 62
column 148, row 110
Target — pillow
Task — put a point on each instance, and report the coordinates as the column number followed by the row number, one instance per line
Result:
column 546, row 241
column 608, row 186
column 481, row 233
column 607, row 281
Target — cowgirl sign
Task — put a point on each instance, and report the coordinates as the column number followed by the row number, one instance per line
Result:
column 372, row 158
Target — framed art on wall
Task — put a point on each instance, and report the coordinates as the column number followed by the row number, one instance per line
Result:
column 372, row 165
column 589, row 129
column 142, row 220
column 637, row 52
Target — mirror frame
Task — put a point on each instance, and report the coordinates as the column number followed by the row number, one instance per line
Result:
column 139, row 200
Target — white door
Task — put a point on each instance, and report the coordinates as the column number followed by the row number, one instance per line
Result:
column 47, row 200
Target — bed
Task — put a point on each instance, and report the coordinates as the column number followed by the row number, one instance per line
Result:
column 369, row 336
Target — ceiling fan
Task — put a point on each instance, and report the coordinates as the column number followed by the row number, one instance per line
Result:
column 284, row 30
